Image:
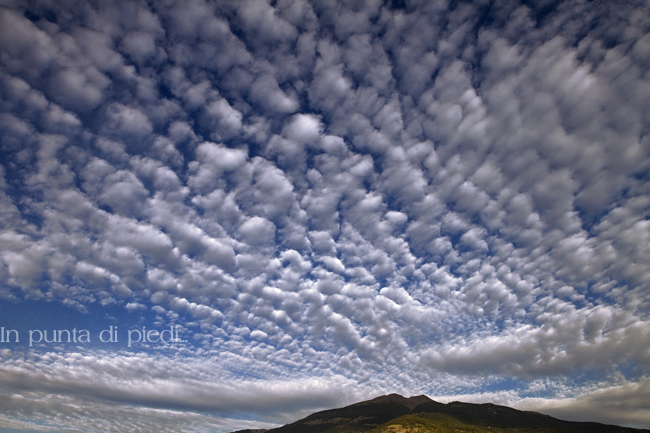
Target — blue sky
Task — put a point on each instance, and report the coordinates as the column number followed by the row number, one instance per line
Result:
column 329, row 201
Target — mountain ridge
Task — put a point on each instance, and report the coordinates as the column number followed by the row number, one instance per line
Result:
column 394, row 413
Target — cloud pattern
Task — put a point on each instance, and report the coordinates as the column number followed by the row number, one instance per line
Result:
column 335, row 199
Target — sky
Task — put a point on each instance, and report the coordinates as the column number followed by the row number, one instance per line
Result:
column 231, row 214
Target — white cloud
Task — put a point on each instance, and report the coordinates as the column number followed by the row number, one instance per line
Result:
column 257, row 231
column 139, row 45
column 127, row 123
column 266, row 92
column 621, row 402
column 303, row 129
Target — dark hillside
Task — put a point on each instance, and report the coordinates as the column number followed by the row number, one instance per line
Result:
column 357, row 417
column 396, row 414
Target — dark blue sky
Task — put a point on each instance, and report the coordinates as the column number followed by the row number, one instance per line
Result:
column 330, row 201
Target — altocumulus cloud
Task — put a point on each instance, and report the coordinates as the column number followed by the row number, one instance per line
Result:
column 329, row 201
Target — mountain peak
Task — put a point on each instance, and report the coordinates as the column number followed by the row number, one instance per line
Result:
column 410, row 402
column 431, row 416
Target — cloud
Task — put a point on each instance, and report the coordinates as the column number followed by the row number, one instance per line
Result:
column 624, row 401
column 266, row 92
column 419, row 199
column 257, row 231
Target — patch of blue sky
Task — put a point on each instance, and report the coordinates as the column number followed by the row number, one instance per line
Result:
column 43, row 325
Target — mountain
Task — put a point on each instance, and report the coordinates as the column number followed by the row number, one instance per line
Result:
column 396, row 414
